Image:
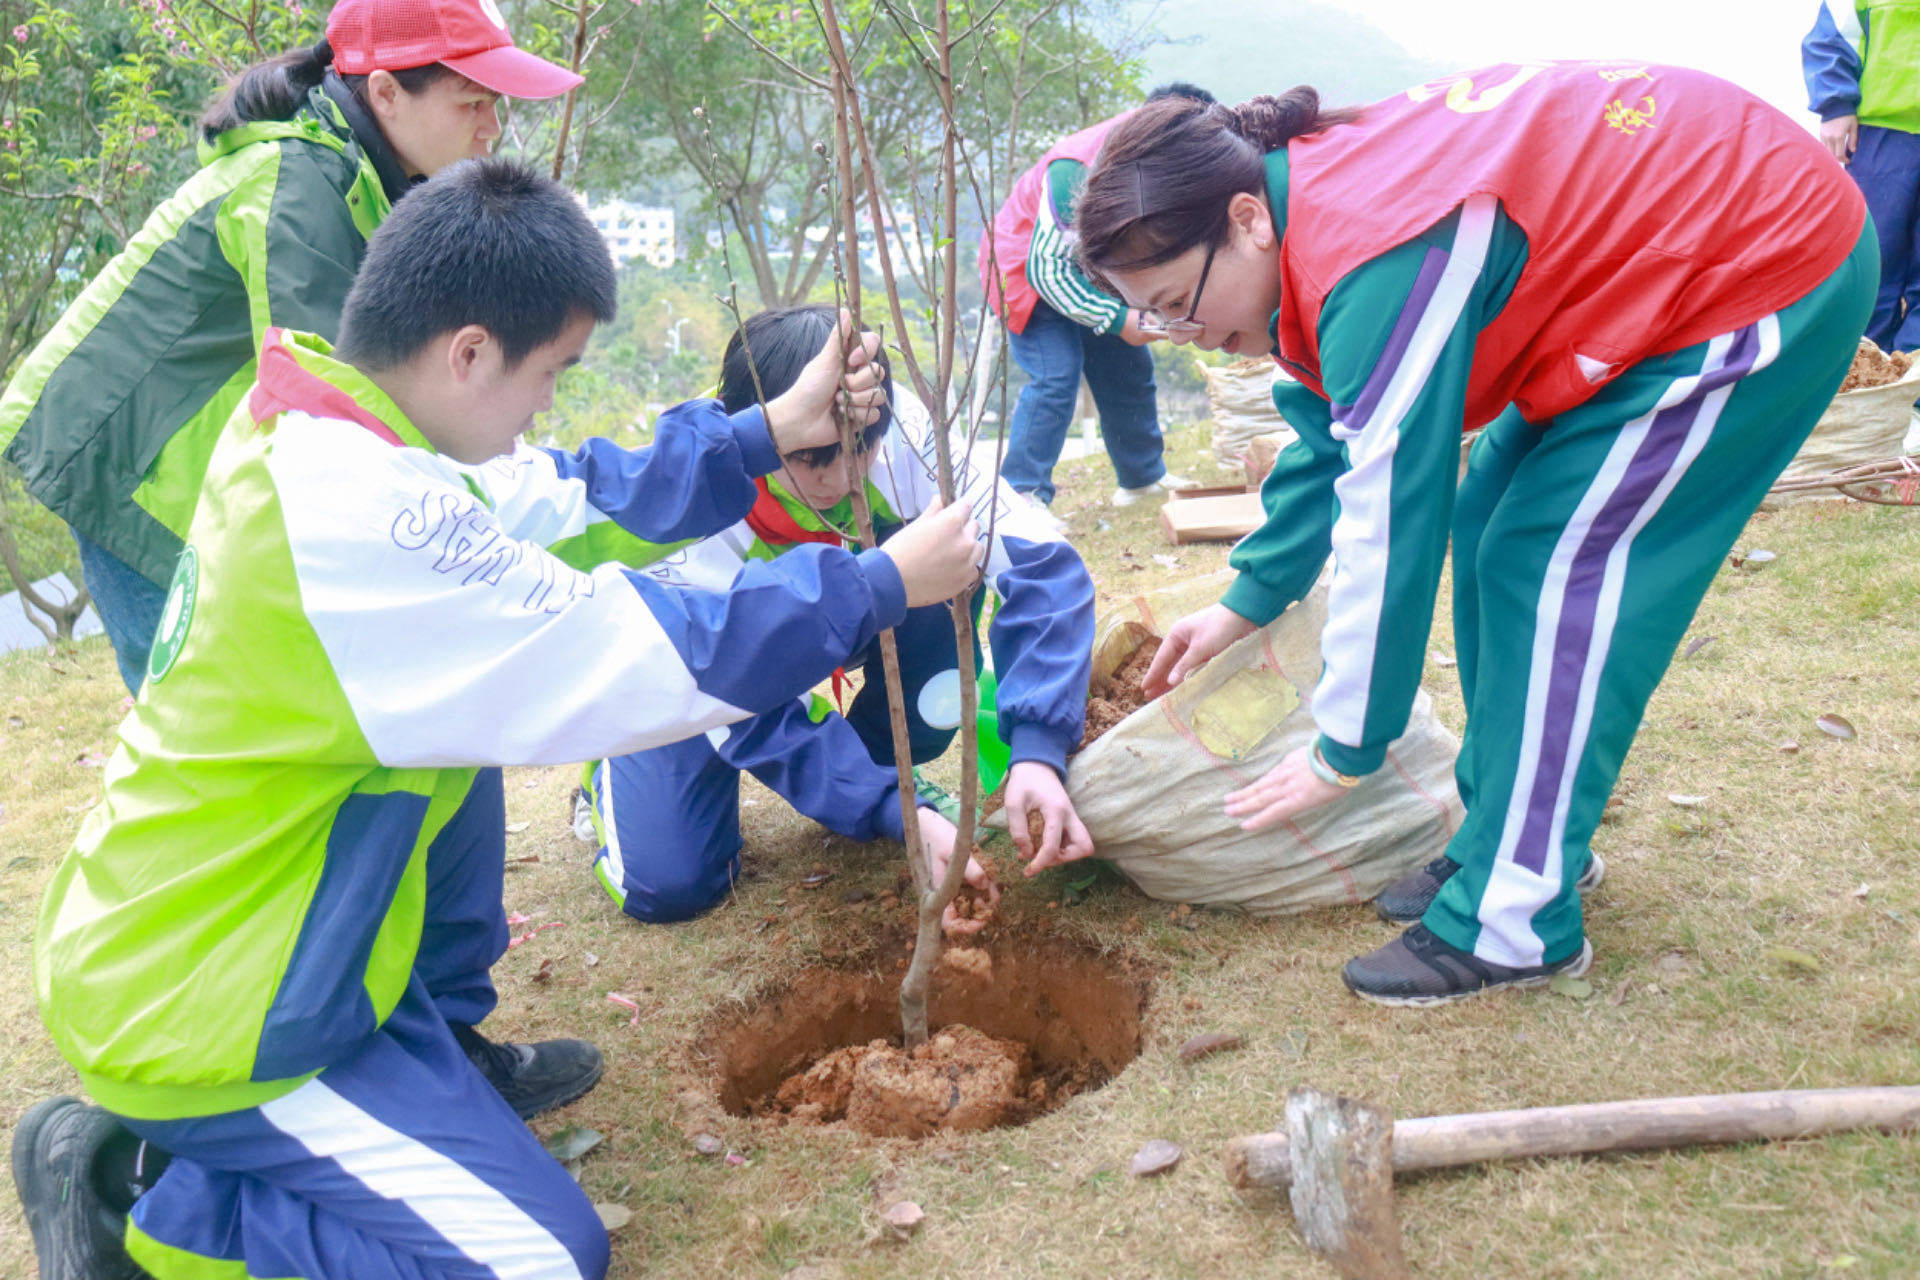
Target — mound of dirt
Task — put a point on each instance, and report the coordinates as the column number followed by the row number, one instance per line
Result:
column 960, row 1081
column 1120, row 695
column 1873, row 367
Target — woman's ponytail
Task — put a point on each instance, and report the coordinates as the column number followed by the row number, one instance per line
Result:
column 1164, row 176
column 1269, row 123
column 270, row 90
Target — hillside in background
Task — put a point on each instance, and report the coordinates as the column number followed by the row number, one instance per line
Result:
column 1239, row 48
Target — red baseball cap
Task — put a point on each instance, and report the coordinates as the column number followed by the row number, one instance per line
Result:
column 468, row 35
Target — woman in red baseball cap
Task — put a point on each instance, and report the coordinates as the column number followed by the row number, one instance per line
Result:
column 112, row 417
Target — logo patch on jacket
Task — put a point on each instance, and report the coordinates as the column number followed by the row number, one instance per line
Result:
column 176, row 617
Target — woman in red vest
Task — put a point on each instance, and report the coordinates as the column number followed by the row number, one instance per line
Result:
column 1665, row 279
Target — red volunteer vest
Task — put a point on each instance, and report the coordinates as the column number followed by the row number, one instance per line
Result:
column 1662, row 207
column 1004, row 245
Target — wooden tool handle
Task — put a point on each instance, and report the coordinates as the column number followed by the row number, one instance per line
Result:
column 1438, row 1142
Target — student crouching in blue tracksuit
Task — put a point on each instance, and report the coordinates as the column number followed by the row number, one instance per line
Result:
column 668, row 819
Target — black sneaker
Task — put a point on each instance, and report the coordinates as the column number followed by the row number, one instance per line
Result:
column 1417, row 968
column 76, row 1233
column 1407, row 899
column 533, row 1077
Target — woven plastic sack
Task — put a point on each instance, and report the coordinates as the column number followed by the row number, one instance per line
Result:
column 1868, row 425
column 1151, row 788
column 1241, row 398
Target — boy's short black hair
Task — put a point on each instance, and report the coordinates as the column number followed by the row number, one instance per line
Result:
column 486, row 242
column 1181, row 89
column 782, row 340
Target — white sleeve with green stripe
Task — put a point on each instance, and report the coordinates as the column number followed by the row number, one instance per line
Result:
column 1396, row 342
column 456, row 643
column 603, row 503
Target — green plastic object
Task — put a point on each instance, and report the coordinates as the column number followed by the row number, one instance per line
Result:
column 994, row 752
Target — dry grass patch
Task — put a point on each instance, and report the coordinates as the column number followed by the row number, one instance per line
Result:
column 1691, row 993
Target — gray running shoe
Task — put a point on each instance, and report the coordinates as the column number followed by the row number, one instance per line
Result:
column 1417, row 968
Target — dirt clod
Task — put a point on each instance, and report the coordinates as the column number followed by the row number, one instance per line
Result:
column 1875, row 368
column 1119, row 695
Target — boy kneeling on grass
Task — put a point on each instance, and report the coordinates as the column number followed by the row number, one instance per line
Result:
column 266, row 950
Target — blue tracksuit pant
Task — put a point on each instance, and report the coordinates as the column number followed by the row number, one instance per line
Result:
column 670, row 817
column 1055, row 352
column 400, row 1160
column 1887, row 169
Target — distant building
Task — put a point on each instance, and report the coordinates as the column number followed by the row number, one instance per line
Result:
column 635, row 231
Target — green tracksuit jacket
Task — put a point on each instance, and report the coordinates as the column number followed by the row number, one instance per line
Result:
column 113, row 416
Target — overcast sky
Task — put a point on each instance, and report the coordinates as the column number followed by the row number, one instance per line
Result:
column 1755, row 43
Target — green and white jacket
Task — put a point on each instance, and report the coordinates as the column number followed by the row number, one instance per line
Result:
column 357, row 625
column 113, row 415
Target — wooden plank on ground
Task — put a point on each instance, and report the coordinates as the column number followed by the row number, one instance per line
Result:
column 1216, row 517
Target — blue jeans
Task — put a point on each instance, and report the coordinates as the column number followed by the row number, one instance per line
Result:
column 128, row 603
column 1054, row 352
column 1886, row 168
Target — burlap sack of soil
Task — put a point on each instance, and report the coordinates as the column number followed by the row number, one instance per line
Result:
column 1150, row 789
column 1241, row 397
column 1867, row 425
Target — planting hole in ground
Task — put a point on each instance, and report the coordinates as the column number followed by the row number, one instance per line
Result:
column 1018, row 1027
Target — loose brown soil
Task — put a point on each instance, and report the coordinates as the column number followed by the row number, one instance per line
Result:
column 1875, row 368
column 1018, row 1028
column 1120, row 694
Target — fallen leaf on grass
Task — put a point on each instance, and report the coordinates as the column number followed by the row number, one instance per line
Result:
column 539, row 928
column 570, row 1142
column 1565, row 984
column 1157, row 1156
column 613, row 1216
column 1796, row 960
column 1442, row 660
column 1836, row 726
column 1619, row 996
column 903, row 1217
column 1209, row 1042
column 515, row 828
column 814, row 879
column 1789, row 746
column 1696, row 646
column 545, row 971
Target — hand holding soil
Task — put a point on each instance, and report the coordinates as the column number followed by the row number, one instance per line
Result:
column 1041, row 820
column 1193, row 642
column 1285, row 791
column 969, row 912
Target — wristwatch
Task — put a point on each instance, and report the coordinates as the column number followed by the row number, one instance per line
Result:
column 1326, row 772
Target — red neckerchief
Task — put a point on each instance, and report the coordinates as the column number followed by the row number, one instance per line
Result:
column 774, row 525
column 280, row 385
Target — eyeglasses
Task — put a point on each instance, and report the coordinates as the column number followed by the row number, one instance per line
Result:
column 820, row 457
column 1152, row 320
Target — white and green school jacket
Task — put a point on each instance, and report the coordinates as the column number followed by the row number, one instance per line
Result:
column 356, row 625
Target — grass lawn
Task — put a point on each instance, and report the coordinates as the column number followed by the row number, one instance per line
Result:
column 1766, row 938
